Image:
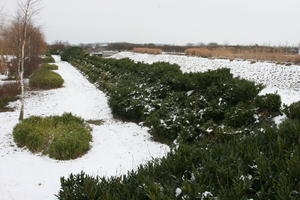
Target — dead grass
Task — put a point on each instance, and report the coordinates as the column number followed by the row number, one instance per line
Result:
column 257, row 54
column 147, row 50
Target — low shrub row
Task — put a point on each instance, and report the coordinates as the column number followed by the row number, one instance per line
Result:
column 61, row 137
column 176, row 105
column 44, row 78
column 224, row 142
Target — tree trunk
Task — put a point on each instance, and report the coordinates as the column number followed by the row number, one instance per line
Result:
column 21, row 117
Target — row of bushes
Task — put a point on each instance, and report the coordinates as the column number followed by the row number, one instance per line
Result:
column 61, row 137
column 44, row 78
column 224, row 142
column 176, row 105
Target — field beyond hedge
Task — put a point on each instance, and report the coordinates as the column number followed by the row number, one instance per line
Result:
column 225, row 143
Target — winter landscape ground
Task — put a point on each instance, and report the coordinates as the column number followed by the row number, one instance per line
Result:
column 116, row 148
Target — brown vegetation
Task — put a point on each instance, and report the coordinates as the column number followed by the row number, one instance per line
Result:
column 147, row 50
column 251, row 53
column 9, row 89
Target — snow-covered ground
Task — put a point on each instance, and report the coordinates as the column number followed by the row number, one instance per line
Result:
column 116, row 148
column 281, row 79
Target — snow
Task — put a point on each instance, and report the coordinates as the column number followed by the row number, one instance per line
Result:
column 279, row 119
column 281, row 79
column 116, row 148
column 178, row 192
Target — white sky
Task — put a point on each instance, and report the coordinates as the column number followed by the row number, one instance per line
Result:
column 169, row 21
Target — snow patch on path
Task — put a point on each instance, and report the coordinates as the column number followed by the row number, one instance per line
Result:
column 281, row 79
column 117, row 147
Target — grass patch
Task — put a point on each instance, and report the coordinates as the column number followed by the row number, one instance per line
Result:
column 45, row 79
column 61, row 137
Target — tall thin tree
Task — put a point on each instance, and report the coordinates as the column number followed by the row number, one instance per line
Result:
column 27, row 10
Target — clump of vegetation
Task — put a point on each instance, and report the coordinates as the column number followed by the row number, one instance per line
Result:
column 224, row 143
column 269, row 102
column 8, row 93
column 50, row 66
column 61, row 137
column 71, row 53
column 48, row 59
column 293, row 111
column 45, row 79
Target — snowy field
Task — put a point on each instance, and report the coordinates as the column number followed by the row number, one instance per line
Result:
column 281, row 79
column 116, row 148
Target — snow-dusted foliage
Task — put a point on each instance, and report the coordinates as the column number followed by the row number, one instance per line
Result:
column 225, row 143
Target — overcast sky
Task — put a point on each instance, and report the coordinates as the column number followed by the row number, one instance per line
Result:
column 169, row 21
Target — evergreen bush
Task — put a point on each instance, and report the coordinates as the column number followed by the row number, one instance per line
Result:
column 293, row 111
column 269, row 103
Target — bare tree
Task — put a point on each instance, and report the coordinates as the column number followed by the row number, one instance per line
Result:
column 27, row 10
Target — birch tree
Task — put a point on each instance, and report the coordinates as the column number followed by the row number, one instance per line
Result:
column 27, row 10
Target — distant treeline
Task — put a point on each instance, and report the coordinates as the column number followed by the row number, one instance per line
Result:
column 176, row 48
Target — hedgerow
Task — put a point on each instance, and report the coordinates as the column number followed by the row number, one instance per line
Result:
column 61, row 137
column 225, row 143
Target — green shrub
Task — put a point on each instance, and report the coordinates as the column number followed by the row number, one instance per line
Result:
column 61, row 137
column 289, row 130
column 50, row 66
column 48, row 59
column 269, row 103
column 72, row 52
column 45, row 79
column 293, row 111
column 240, row 116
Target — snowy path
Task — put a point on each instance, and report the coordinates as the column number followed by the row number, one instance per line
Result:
column 117, row 147
column 285, row 80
